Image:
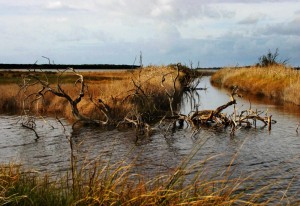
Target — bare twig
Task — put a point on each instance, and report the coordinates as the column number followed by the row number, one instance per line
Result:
column 170, row 94
column 32, row 129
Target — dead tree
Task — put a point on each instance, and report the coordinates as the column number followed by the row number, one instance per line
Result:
column 35, row 78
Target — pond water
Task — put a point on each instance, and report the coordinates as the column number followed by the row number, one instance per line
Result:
column 269, row 156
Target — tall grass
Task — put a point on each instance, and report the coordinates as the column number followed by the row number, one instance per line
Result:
column 116, row 184
column 8, row 100
column 277, row 81
column 115, row 88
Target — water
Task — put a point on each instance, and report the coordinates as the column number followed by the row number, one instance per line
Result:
column 269, row 156
column 18, row 144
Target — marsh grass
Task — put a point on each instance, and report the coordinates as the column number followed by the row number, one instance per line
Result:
column 8, row 101
column 277, row 81
column 99, row 183
column 115, row 88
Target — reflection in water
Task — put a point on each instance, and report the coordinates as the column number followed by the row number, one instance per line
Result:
column 267, row 156
column 190, row 100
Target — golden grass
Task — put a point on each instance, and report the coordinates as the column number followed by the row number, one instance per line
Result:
column 112, row 87
column 278, row 81
column 8, row 101
column 115, row 184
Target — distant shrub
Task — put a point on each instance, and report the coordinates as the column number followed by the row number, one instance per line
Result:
column 270, row 59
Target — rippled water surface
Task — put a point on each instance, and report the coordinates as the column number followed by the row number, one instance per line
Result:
column 266, row 155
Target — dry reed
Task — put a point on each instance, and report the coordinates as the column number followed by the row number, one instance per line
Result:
column 115, row 184
column 278, row 81
column 116, row 88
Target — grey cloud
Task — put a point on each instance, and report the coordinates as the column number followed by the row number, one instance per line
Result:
column 227, row 50
column 168, row 32
column 253, row 19
column 169, row 11
column 288, row 28
column 247, row 49
column 103, row 32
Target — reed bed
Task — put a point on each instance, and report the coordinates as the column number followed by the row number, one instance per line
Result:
column 117, row 89
column 278, row 81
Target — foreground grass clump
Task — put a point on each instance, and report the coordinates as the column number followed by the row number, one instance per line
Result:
column 118, row 185
column 276, row 81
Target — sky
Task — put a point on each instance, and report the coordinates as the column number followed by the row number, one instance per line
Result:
column 205, row 33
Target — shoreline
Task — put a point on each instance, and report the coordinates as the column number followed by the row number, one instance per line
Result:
column 277, row 82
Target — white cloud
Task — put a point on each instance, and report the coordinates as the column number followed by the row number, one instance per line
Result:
column 213, row 32
column 54, row 5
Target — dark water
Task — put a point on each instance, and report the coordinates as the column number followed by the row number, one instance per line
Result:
column 268, row 156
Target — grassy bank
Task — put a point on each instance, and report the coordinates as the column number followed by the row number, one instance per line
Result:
column 278, row 81
column 121, row 91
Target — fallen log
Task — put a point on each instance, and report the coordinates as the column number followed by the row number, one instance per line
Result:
column 216, row 116
column 205, row 116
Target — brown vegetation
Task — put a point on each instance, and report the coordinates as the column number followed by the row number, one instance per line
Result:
column 116, row 184
column 119, row 98
column 277, row 81
column 123, row 92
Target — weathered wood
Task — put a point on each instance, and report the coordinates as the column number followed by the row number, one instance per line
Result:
column 269, row 122
column 242, row 119
column 221, row 108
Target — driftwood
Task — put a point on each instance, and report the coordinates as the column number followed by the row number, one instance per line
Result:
column 205, row 116
column 235, row 120
column 134, row 118
column 246, row 118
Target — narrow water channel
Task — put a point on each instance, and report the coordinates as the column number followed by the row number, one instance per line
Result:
column 268, row 156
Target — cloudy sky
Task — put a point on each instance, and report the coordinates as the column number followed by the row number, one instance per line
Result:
column 205, row 32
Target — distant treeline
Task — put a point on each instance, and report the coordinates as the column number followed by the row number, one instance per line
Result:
column 238, row 67
column 89, row 67
column 64, row 66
